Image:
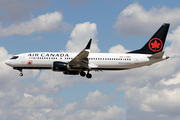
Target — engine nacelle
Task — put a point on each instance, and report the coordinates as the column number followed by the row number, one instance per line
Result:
column 59, row 66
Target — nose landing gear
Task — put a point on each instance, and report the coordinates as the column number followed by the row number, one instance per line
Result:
column 20, row 74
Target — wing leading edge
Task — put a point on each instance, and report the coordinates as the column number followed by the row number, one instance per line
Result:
column 81, row 60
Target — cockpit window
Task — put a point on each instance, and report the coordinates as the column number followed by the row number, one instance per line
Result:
column 14, row 57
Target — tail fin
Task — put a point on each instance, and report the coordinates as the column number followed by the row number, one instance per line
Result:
column 156, row 43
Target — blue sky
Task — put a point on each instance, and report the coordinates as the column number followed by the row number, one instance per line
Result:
column 104, row 14
column 150, row 92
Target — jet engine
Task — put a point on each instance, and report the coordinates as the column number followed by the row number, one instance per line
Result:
column 59, row 66
column 63, row 67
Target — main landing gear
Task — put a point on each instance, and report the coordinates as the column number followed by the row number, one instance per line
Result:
column 88, row 75
column 82, row 73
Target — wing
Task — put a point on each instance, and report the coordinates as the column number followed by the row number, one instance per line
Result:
column 81, row 60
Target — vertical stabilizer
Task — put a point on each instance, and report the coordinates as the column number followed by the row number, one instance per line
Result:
column 156, row 43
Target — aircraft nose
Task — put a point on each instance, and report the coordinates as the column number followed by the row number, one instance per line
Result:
column 7, row 62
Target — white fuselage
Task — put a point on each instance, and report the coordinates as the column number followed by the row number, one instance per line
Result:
column 97, row 61
column 77, row 63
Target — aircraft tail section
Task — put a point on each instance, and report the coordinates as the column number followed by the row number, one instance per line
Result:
column 156, row 43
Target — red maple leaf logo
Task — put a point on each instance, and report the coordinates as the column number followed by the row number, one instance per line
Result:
column 155, row 44
column 29, row 62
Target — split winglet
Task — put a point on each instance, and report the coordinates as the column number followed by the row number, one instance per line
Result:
column 89, row 44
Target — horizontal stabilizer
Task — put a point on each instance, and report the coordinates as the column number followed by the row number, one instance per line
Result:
column 157, row 55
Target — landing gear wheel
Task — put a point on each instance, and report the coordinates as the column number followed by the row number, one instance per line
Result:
column 88, row 75
column 21, row 74
column 82, row 73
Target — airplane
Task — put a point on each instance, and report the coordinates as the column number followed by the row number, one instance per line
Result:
column 79, row 63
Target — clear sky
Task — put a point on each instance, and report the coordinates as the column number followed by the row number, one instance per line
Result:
column 150, row 93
